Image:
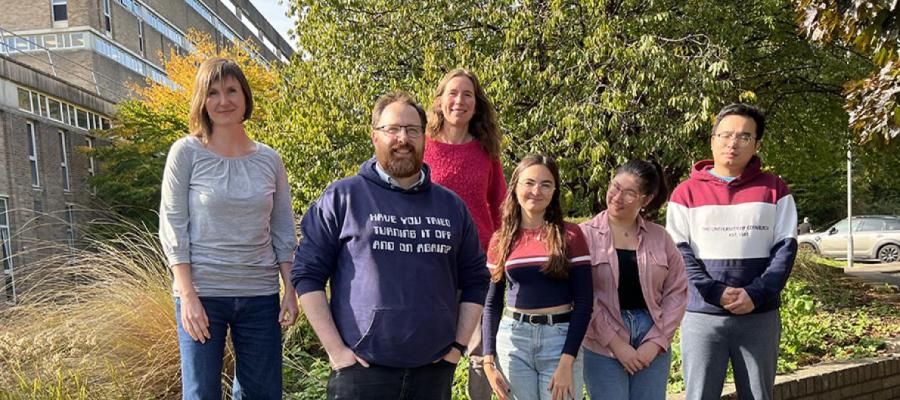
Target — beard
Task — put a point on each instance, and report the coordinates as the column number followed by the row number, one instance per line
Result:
column 399, row 167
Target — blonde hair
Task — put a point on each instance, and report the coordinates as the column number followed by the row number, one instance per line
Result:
column 211, row 71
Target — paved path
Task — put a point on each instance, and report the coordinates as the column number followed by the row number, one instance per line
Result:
column 876, row 273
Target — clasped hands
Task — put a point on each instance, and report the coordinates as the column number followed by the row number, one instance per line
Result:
column 634, row 360
column 736, row 301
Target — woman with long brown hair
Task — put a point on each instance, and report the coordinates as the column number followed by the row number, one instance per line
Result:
column 542, row 265
column 462, row 147
column 227, row 230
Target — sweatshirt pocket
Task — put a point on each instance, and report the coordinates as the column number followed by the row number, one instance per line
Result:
column 406, row 337
column 736, row 273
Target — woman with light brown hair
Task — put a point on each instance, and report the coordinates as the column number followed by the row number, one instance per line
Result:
column 227, row 230
column 541, row 266
column 462, row 147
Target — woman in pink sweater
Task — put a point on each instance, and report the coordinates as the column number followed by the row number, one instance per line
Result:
column 462, row 147
column 640, row 290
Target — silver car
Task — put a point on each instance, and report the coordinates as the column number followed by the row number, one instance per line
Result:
column 875, row 237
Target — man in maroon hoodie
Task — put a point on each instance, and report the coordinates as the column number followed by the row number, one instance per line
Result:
column 736, row 229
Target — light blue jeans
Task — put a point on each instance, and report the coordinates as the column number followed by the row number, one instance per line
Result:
column 606, row 378
column 527, row 355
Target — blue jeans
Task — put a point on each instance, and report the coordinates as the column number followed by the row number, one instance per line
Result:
column 606, row 378
column 528, row 354
column 256, row 337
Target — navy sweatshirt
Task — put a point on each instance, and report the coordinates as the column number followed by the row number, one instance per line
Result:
column 395, row 259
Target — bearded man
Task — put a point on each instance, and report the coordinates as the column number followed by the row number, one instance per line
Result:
column 406, row 270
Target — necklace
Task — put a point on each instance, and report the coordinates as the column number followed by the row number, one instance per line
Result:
column 626, row 231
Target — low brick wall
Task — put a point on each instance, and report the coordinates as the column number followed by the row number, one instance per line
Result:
column 875, row 378
column 865, row 379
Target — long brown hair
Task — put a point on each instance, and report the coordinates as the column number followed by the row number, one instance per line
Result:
column 211, row 71
column 483, row 126
column 554, row 230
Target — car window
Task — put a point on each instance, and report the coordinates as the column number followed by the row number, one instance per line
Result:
column 870, row 225
column 841, row 227
column 892, row 225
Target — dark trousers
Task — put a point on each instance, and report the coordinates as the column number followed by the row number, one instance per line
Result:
column 428, row 382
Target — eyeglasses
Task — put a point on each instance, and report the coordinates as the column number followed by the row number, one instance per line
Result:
column 412, row 131
column 544, row 187
column 628, row 195
column 742, row 138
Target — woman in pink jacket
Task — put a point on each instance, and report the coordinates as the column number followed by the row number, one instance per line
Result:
column 640, row 290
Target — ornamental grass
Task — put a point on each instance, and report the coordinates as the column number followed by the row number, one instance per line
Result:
column 96, row 321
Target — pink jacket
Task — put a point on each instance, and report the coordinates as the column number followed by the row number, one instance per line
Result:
column 663, row 280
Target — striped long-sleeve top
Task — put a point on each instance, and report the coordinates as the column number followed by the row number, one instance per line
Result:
column 529, row 288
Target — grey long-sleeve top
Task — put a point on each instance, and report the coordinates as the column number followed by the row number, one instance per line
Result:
column 229, row 217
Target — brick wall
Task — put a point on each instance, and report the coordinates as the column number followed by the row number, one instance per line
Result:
column 867, row 379
column 37, row 214
column 21, row 15
column 125, row 28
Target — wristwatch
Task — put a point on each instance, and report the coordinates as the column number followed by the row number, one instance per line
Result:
column 459, row 346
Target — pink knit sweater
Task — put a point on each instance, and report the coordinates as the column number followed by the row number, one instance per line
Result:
column 469, row 172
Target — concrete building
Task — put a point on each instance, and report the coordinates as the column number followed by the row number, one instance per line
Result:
column 64, row 64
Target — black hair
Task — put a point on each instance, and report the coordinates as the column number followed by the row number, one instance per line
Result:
column 744, row 110
column 650, row 174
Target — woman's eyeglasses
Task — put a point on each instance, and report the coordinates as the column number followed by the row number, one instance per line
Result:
column 628, row 195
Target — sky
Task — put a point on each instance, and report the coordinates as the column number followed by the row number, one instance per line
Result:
column 274, row 11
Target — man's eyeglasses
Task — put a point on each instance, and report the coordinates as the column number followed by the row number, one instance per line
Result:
column 742, row 138
column 412, row 131
column 628, row 195
column 544, row 187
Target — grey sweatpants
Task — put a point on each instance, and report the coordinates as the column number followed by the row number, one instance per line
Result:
column 749, row 341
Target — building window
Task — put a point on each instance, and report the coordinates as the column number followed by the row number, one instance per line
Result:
column 60, row 10
column 54, row 110
column 64, row 159
column 81, row 119
column 6, row 252
column 59, row 110
column 141, row 38
column 70, row 224
column 67, row 114
column 25, row 100
column 38, row 104
column 107, row 18
column 33, row 155
column 92, row 167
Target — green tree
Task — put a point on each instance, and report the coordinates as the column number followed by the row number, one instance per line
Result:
column 872, row 28
column 593, row 83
